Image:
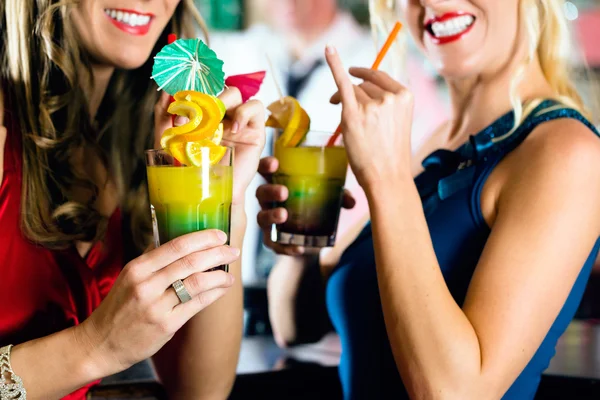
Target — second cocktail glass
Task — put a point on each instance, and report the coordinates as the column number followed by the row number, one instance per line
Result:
column 187, row 199
column 314, row 175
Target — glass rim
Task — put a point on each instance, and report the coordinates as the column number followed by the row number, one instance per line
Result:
column 155, row 151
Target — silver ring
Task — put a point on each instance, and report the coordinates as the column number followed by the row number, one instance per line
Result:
column 181, row 291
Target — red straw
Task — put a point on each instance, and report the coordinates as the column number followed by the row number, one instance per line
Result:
column 386, row 46
column 170, row 39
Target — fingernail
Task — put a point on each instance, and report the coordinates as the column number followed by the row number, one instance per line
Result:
column 235, row 127
column 222, row 236
column 235, row 251
column 300, row 251
column 330, row 49
column 230, row 279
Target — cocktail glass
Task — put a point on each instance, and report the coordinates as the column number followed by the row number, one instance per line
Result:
column 314, row 175
column 185, row 199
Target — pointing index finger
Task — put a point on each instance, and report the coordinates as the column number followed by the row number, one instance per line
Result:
column 342, row 80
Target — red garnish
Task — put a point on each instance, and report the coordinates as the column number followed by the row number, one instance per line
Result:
column 248, row 84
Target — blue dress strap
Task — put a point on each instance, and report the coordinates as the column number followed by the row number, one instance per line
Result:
column 490, row 151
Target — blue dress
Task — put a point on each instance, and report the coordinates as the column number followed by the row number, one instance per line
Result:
column 450, row 189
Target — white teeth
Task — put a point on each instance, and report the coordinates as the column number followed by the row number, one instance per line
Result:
column 128, row 18
column 453, row 26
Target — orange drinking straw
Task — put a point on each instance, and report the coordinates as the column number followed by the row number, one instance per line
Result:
column 386, row 46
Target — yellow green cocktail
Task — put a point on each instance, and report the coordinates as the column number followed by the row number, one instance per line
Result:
column 187, row 199
column 314, row 176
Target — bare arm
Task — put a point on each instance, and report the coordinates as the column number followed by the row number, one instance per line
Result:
column 545, row 221
column 50, row 371
column 296, row 291
column 200, row 361
column 139, row 315
column 545, row 226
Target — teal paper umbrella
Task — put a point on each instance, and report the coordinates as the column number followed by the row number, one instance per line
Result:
column 188, row 64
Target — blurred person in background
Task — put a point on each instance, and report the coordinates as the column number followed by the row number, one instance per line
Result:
column 481, row 243
column 293, row 34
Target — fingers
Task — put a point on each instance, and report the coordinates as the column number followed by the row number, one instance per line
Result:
column 177, row 248
column 378, row 78
column 194, row 263
column 160, row 109
column 180, row 120
column 275, row 216
column 372, row 90
column 267, row 167
column 162, row 119
column 365, row 92
column 184, row 312
column 285, row 250
column 342, row 80
column 361, row 96
column 268, row 194
column 348, row 201
column 231, row 97
column 250, row 114
column 197, row 285
column 267, row 220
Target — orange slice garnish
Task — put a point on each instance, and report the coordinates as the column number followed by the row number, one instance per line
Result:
column 192, row 111
column 204, row 151
column 211, row 118
column 287, row 114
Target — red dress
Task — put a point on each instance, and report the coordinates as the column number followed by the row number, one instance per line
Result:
column 44, row 291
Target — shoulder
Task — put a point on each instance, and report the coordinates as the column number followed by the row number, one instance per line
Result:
column 560, row 158
column 562, row 144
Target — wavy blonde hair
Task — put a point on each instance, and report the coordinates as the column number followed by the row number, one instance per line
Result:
column 44, row 70
column 548, row 39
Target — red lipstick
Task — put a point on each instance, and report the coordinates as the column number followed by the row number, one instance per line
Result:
column 138, row 30
column 445, row 17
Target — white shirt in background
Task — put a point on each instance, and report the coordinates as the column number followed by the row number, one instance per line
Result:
column 245, row 52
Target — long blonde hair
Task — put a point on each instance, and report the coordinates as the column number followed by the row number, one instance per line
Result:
column 44, row 71
column 549, row 40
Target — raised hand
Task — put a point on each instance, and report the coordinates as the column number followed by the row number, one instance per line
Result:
column 376, row 122
column 244, row 126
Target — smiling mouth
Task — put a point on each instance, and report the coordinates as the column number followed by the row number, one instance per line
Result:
column 130, row 21
column 449, row 27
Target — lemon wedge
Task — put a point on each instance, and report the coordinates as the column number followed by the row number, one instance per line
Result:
column 198, row 153
column 287, row 114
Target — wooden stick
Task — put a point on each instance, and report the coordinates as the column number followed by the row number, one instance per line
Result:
column 274, row 78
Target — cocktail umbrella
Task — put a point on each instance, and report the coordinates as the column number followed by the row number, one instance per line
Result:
column 188, row 64
column 248, row 84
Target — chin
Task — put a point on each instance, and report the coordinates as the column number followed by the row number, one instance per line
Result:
column 129, row 59
column 458, row 68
